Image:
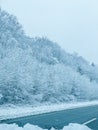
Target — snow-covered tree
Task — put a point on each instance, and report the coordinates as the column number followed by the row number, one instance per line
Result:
column 37, row 70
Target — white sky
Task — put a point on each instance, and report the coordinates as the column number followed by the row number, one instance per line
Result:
column 71, row 23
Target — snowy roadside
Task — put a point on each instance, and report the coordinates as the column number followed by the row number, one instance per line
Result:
column 32, row 127
column 10, row 112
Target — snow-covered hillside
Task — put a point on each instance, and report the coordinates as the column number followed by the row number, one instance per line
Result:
column 37, row 70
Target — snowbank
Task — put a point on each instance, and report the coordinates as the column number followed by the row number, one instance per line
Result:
column 32, row 127
column 8, row 112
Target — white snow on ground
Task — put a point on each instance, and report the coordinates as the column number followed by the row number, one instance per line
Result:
column 32, row 127
column 8, row 112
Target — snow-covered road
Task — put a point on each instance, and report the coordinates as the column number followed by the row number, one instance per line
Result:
column 9, row 112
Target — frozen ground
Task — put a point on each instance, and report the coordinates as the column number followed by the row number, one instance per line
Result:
column 32, row 127
column 10, row 111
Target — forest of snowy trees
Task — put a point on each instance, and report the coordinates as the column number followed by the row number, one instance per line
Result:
column 37, row 70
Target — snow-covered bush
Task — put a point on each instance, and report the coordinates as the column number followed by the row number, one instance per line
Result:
column 32, row 127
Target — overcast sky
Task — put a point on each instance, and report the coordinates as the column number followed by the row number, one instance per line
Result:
column 71, row 23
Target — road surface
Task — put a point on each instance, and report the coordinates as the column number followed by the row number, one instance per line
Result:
column 84, row 115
